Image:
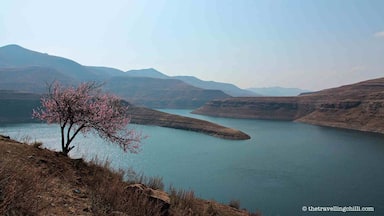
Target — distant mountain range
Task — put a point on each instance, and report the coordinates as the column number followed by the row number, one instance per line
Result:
column 26, row 70
column 160, row 93
column 227, row 88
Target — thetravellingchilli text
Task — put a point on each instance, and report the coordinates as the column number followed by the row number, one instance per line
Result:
column 338, row 209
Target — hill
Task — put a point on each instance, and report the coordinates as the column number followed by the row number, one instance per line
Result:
column 36, row 181
column 150, row 73
column 158, row 93
column 33, row 79
column 227, row 88
column 278, row 91
column 12, row 56
column 105, row 72
column 357, row 106
column 150, row 92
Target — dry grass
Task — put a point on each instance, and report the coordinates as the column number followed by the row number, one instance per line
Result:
column 181, row 199
column 19, row 190
column 153, row 182
column 35, row 181
column 184, row 202
column 110, row 196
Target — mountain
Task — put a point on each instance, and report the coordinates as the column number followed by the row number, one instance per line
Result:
column 150, row 73
column 159, row 93
column 26, row 70
column 105, row 72
column 16, row 56
column 227, row 88
column 278, row 91
column 358, row 106
column 32, row 79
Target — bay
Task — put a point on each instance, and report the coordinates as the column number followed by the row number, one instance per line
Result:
column 283, row 167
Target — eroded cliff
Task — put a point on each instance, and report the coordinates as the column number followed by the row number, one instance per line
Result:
column 358, row 106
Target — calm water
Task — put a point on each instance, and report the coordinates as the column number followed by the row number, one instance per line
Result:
column 283, row 167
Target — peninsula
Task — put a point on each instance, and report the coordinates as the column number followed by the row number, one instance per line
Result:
column 17, row 107
column 146, row 116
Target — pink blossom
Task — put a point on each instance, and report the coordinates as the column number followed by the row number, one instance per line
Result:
column 86, row 109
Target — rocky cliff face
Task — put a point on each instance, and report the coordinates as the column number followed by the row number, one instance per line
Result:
column 358, row 106
column 279, row 108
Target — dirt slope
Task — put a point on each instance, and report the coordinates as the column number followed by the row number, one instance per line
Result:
column 35, row 181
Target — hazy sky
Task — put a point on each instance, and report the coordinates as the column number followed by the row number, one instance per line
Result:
column 311, row 44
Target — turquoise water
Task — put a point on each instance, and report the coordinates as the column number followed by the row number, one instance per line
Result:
column 284, row 166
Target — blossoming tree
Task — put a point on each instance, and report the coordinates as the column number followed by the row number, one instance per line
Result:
column 87, row 109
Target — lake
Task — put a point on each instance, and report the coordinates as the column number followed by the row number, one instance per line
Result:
column 284, row 167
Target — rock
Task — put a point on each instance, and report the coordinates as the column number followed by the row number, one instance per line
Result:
column 157, row 196
column 5, row 137
column 160, row 195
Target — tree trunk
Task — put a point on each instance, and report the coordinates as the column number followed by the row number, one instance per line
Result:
column 66, row 148
column 63, row 149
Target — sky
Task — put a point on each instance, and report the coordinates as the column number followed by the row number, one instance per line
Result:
column 308, row 44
